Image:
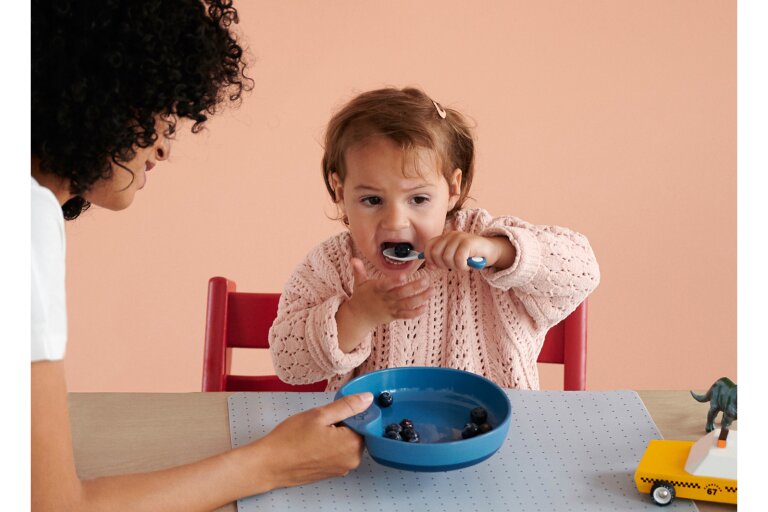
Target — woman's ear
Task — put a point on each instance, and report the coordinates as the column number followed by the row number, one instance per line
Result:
column 454, row 188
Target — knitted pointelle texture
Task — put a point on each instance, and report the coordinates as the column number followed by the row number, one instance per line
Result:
column 488, row 322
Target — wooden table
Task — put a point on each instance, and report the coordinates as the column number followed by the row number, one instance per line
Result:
column 117, row 433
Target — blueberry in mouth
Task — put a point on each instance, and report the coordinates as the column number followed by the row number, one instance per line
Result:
column 478, row 415
column 385, row 399
column 403, row 250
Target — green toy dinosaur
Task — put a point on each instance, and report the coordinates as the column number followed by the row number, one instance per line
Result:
column 722, row 398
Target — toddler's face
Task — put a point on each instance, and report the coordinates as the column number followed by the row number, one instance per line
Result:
column 386, row 206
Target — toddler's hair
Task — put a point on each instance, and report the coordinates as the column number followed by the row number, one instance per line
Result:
column 411, row 119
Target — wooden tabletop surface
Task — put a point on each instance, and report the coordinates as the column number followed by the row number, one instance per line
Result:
column 117, row 433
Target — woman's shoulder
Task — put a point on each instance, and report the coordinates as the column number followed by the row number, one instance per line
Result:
column 47, row 219
column 43, row 200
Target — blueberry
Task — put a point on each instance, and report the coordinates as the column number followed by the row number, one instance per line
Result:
column 410, row 435
column 403, row 250
column 470, row 430
column 406, row 423
column 385, row 399
column 391, row 434
column 393, row 427
column 483, row 428
column 478, row 415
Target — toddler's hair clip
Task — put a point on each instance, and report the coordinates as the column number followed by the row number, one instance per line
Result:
column 440, row 111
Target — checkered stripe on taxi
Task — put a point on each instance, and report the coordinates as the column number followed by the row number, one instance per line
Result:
column 690, row 485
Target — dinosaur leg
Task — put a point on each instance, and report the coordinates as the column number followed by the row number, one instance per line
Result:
column 711, row 419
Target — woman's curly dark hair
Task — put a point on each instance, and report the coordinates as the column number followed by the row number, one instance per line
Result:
column 103, row 70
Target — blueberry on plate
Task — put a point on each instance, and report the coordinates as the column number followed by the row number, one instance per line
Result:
column 385, row 399
column 393, row 427
column 483, row 428
column 406, row 423
column 403, row 250
column 409, row 434
column 478, row 415
column 392, row 434
column 470, row 430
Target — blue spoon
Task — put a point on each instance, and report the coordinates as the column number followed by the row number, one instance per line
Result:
column 477, row 262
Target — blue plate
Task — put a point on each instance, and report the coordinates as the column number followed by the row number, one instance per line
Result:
column 438, row 401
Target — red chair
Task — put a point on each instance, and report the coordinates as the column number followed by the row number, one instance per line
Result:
column 566, row 344
column 242, row 320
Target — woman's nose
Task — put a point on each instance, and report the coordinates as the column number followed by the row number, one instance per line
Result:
column 163, row 149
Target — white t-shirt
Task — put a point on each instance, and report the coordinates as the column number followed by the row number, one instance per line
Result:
column 49, row 301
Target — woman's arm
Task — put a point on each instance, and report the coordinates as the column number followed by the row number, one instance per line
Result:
column 304, row 448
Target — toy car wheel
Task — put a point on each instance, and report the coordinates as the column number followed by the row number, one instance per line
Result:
column 662, row 493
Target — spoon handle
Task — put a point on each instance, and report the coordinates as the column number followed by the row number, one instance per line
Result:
column 477, row 262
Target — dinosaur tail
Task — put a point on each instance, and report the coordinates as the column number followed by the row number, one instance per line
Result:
column 702, row 398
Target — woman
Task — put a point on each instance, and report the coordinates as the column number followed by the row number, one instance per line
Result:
column 110, row 80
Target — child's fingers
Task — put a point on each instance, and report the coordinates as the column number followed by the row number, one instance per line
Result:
column 388, row 284
column 461, row 252
column 409, row 314
column 434, row 252
column 448, row 256
column 358, row 271
column 414, row 301
column 403, row 290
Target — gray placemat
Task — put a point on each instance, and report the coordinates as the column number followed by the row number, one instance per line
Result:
column 569, row 451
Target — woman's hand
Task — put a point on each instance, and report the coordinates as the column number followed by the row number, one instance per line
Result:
column 452, row 249
column 304, row 448
column 308, row 446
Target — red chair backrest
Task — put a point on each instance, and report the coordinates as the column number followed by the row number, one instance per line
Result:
column 566, row 344
column 243, row 320
column 240, row 320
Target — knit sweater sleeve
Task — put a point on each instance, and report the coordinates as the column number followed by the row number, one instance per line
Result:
column 554, row 268
column 303, row 340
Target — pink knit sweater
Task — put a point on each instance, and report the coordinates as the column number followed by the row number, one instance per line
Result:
column 487, row 322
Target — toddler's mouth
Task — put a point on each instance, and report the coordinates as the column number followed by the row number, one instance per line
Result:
column 400, row 247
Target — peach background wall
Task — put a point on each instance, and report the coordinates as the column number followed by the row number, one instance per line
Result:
column 614, row 118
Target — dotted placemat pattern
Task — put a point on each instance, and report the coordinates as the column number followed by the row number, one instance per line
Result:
column 566, row 451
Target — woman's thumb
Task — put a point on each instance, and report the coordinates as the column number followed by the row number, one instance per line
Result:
column 345, row 407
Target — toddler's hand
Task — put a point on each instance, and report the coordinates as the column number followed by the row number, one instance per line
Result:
column 380, row 301
column 452, row 249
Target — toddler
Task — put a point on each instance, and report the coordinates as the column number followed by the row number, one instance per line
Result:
column 399, row 167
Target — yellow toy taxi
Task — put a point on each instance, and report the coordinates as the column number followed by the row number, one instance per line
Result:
column 701, row 470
